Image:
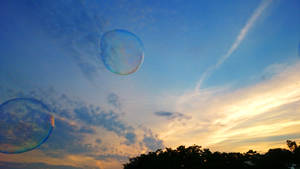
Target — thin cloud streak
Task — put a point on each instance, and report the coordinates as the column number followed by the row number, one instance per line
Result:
column 257, row 13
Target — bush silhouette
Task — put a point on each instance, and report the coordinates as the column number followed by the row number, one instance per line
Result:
column 195, row 157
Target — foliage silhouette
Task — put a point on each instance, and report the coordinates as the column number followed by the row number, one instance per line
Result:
column 195, row 157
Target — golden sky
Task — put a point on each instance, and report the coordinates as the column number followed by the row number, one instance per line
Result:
column 229, row 119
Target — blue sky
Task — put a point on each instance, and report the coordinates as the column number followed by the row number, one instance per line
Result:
column 213, row 71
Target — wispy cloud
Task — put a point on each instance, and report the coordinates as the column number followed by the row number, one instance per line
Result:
column 171, row 115
column 114, row 100
column 241, row 36
column 222, row 118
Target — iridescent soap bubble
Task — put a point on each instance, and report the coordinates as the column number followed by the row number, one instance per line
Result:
column 25, row 124
column 122, row 52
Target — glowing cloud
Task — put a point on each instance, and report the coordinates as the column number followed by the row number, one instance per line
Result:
column 223, row 118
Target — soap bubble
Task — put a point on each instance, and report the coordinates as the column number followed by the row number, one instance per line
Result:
column 25, row 124
column 122, row 52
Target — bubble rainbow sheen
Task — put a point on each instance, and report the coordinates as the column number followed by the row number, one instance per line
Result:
column 25, row 124
column 122, row 52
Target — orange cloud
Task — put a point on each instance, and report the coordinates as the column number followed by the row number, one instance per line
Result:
column 219, row 115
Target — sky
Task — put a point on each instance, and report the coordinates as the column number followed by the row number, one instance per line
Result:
column 220, row 74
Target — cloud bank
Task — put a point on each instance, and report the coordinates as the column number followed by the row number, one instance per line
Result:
column 85, row 136
column 7, row 165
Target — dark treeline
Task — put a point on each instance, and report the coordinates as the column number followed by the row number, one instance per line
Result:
column 194, row 157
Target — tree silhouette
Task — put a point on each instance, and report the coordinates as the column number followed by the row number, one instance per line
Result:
column 194, row 157
column 295, row 150
column 292, row 145
column 277, row 158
